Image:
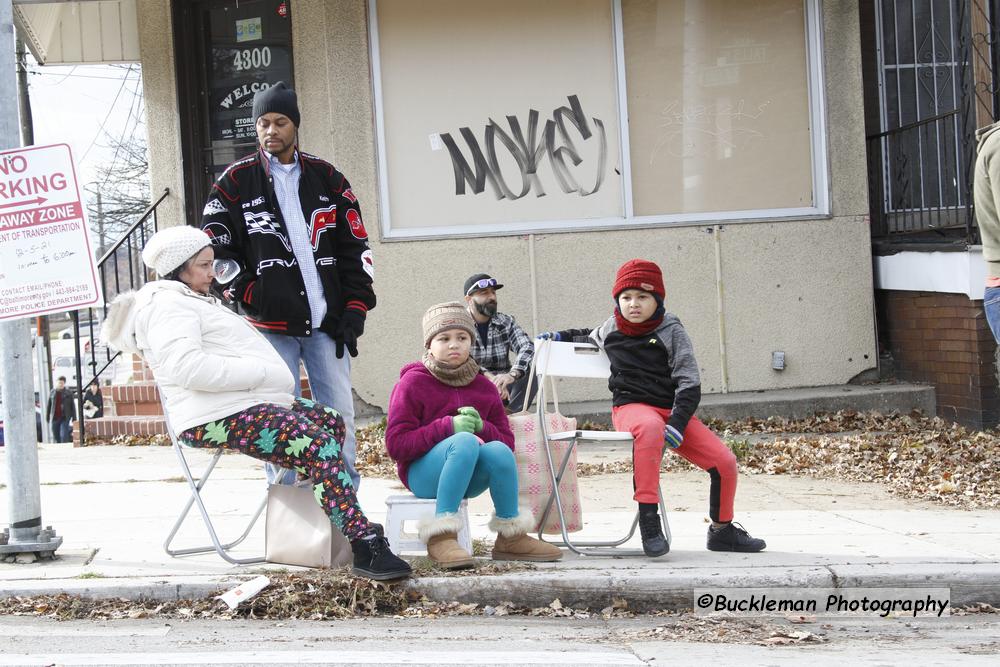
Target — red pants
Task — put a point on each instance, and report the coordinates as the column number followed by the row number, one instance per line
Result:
column 701, row 447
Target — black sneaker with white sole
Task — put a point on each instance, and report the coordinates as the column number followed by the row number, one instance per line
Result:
column 373, row 559
column 734, row 537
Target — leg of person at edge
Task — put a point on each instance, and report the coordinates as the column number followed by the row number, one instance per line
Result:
column 497, row 336
column 656, row 390
column 986, row 185
column 223, row 385
column 292, row 225
column 449, row 435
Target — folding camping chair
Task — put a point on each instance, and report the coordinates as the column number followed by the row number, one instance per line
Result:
column 196, row 487
column 579, row 360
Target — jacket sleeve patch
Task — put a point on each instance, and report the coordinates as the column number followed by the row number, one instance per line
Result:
column 219, row 233
column 368, row 264
column 321, row 220
column 357, row 227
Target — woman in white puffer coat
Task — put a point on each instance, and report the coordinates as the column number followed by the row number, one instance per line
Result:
column 223, row 385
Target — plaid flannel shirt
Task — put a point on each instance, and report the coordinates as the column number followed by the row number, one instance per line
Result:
column 503, row 337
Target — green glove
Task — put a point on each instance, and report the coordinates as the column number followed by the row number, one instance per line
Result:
column 463, row 423
column 472, row 412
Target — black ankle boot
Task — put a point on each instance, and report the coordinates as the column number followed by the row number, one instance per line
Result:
column 373, row 559
column 653, row 542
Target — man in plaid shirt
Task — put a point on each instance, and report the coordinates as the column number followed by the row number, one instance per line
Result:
column 498, row 336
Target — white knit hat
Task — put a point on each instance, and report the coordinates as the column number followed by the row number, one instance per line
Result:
column 171, row 247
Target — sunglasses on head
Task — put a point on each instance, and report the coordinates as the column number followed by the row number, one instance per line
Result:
column 481, row 284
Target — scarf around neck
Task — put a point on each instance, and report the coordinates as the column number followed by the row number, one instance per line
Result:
column 642, row 328
column 453, row 377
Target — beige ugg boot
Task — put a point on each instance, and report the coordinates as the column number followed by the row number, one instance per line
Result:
column 440, row 534
column 513, row 542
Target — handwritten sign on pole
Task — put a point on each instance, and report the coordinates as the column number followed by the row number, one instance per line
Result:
column 46, row 261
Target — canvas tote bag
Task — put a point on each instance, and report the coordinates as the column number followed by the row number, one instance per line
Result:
column 534, row 479
column 298, row 532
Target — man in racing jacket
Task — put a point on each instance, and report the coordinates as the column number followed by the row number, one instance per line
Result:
column 292, row 224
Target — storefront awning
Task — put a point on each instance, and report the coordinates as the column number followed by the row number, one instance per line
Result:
column 74, row 33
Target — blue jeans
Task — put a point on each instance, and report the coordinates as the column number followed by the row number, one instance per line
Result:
column 991, row 304
column 330, row 381
column 459, row 467
column 61, row 430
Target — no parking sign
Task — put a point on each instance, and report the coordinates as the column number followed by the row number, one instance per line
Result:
column 47, row 264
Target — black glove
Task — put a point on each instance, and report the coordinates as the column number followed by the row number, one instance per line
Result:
column 349, row 329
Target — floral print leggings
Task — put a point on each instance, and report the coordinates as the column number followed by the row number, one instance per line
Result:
column 306, row 437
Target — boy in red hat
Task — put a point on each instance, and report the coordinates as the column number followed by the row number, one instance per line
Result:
column 656, row 390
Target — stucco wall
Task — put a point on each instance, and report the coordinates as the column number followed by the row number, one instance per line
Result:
column 159, row 88
column 803, row 287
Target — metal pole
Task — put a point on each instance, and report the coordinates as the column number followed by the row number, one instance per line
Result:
column 23, row 98
column 25, row 536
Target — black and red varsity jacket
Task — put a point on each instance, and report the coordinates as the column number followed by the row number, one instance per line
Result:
column 244, row 220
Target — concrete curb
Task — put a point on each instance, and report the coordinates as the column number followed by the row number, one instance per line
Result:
column 657, row 589
column 130, row 588
column 648, row 590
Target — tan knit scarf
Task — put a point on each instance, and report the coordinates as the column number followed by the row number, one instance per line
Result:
column 453, row 377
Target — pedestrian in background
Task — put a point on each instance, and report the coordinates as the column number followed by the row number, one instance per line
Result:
column 93, row 401
column 60, row 411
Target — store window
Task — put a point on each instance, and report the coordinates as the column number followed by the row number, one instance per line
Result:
column 718, row 101
column 527, row 116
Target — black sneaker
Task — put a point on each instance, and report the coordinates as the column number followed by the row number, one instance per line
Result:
column 653, row 542
column 373, row 559
column 733, row 537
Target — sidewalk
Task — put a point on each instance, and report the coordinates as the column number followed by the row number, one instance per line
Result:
column 113, row 505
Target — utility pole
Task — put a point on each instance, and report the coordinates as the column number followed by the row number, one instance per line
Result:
column 24, row 540
column 23, row 100
column 44, row 359
column 100, row 224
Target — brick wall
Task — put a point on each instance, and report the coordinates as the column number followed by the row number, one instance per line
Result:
column 944, row 340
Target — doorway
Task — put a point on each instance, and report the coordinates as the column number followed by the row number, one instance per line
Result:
column 226, row 50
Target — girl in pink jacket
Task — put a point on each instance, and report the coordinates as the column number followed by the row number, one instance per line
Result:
column 448, row 434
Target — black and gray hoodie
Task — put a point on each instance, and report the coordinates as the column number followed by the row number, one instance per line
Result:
column 658, row 369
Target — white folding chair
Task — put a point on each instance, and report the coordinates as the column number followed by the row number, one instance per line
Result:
column 196, row 487
column 579, row 360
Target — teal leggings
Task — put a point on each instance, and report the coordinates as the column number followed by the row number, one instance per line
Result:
column 459, row 467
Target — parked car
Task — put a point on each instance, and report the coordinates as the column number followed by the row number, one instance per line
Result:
column 65, row 328
column 65, row 367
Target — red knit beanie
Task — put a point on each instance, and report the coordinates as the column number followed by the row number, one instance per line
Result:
column 639, row 274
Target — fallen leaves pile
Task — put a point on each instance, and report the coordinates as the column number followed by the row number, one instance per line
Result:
column 372, row 459
column 912, row 456
column 725, row 630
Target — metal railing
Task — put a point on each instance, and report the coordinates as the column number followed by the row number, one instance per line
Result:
column 920, row 178
column 120, row 269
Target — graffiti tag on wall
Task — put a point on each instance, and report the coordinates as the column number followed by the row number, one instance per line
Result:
column 529, row 150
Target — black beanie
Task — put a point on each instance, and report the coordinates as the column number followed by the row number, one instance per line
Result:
column 279, row 98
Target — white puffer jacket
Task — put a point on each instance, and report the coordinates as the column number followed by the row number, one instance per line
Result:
column 208, row 361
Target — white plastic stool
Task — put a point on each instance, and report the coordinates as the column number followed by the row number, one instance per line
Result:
column 403, row 508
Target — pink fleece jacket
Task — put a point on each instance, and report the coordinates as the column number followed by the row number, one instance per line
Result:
column 421, row 408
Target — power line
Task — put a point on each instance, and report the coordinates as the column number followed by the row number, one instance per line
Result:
column 108, row 115
column 75, row 76
column 136, row 100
